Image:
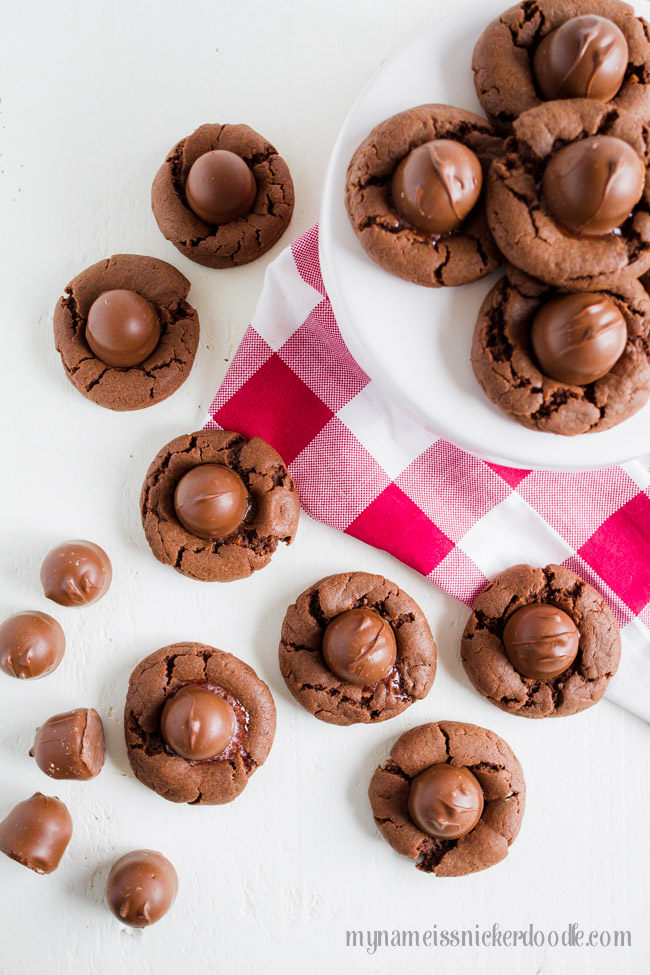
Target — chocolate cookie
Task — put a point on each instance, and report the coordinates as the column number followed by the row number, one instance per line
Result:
column 488, row 654
column 385, row 661
column 518, row 210
column 507, row 79
column 507, row 369
column 222, row 238
column 156, row 289
column 270, row 511
column 393, row 181
column 471, row 761
column 243, row 708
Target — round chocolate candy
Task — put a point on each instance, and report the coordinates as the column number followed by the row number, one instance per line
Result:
column 586, row 57
column 122, row 328
column 76, row 573
column 36, row 833
column 220, row 187
column 591, row 186
column 541, row 641
column 32, row 645
column 445, row 801
column 141, row 888
column 71, row 745
column 577, row 338
column 437, row 185
column 211, row 501
column 197, row 722
column 359, row 646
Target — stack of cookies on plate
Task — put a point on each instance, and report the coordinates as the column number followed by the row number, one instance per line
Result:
column 555, row 183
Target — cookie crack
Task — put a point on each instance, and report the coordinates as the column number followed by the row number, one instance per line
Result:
column 438, row 271
column 530, row 10
column 445, row 735
column 170, row 663
column 392, row 768
column 97, row 380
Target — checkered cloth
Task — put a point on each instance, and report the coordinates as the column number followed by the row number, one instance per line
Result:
column 361, row 466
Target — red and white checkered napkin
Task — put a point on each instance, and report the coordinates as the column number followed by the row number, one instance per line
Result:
column 361, row 466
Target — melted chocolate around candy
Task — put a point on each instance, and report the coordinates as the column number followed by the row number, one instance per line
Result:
column 591, row 186
column 36, row 833
column 197, row 723
column 541, row 641
column 446, row 801
column 122, row 328
column 577, row 338
column 141, row 888
column 437, row 185
column 76, row 573
column 32, row 645
column 359, row 646
column 586, row 57
column 211, row 501
column 71, row 745
column 220, row 187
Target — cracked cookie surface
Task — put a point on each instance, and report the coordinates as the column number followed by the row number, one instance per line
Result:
column 489, row 668
column 502, row 59
column 272, row 517
column 168, row 366
column 214, row 781
column 523, row 227
column 506, row 369
column 450, row 259
column 239, row 241
column 324, row 694
column 500, row 776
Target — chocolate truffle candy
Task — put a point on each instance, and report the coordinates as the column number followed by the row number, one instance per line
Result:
column 122, row 328
column 586, row 57
column 577, row 338
column 141, row 888
column 541, row 641
column 220, row 187
column 71, row 745
column 359, row 646
column 211, row 501
column 445, row 801
column 591, row 186
column 36, row 833
column 437, row 185
column 197, row 722
column 32, row 645
column 76, row 573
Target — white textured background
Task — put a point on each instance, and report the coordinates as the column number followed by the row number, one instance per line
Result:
column 92, row 97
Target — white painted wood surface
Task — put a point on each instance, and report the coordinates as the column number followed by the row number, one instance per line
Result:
column 93, row 95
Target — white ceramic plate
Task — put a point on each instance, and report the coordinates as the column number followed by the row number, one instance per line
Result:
column 413, row 341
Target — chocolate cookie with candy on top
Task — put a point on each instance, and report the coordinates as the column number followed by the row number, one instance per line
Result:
column 542, row 50
column 355, row 648
column 414, row 195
